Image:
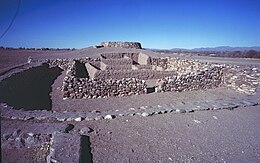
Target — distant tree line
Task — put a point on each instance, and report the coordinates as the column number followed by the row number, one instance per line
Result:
column 232, row 54
column 44, row 49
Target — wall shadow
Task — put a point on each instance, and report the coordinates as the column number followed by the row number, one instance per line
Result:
column 81, row 71
column 30, row 89
column 85, row 150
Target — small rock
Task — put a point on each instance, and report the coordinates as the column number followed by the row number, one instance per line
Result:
column 78, row 119
column 61, row 119
column 85, row 131
column 98, row 118
column 30, row 141
column 6, row 136
column 68, row 128
column 16, row 133
column 180, row 110
column 254, row 69
column 30, row 134
column 196, row 121
column 145, row 114
column 108, row 116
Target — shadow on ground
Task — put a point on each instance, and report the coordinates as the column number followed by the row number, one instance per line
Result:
column 30, row 89
column 85, row 150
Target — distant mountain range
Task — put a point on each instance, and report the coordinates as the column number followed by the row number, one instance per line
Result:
column 219, row 48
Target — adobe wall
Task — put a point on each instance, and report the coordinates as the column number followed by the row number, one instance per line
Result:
column 130, row 45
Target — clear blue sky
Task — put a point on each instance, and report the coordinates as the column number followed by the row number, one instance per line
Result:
column 154, row 23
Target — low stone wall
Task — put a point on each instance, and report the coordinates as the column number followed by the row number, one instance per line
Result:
column 139, row 74
column 122, row 61
column 205, row 79
column 173, row 74
column 104, row 66
column 63, row 63
column 130, row 45
column 98, row 88
column 181, row 66
column 144, row 67
column 112, row 55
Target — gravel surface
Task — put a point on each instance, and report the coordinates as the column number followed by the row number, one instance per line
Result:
column 208, row 136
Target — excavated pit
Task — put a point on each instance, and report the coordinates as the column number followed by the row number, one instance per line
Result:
column 30, row 89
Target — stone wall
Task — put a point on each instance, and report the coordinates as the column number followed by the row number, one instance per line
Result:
column 181, row 66
column 114, row 79
column 99, row 88
column 130, row 45
column 120, row 61
column 63, row 63
column 204, row 79
column 139, row 74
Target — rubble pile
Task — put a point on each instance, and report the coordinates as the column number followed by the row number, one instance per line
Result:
column 242, row 79
column 161, row 62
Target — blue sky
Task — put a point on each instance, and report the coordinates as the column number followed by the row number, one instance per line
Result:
column 155, row 23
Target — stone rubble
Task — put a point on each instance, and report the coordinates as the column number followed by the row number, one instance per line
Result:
column 10, row 113
column 242, row 79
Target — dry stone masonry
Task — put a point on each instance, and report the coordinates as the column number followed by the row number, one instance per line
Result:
column 124, row 74
column 210, row 78
column 129, row 45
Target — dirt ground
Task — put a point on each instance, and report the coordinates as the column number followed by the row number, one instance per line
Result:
column 200, row 136
column 205, row 136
